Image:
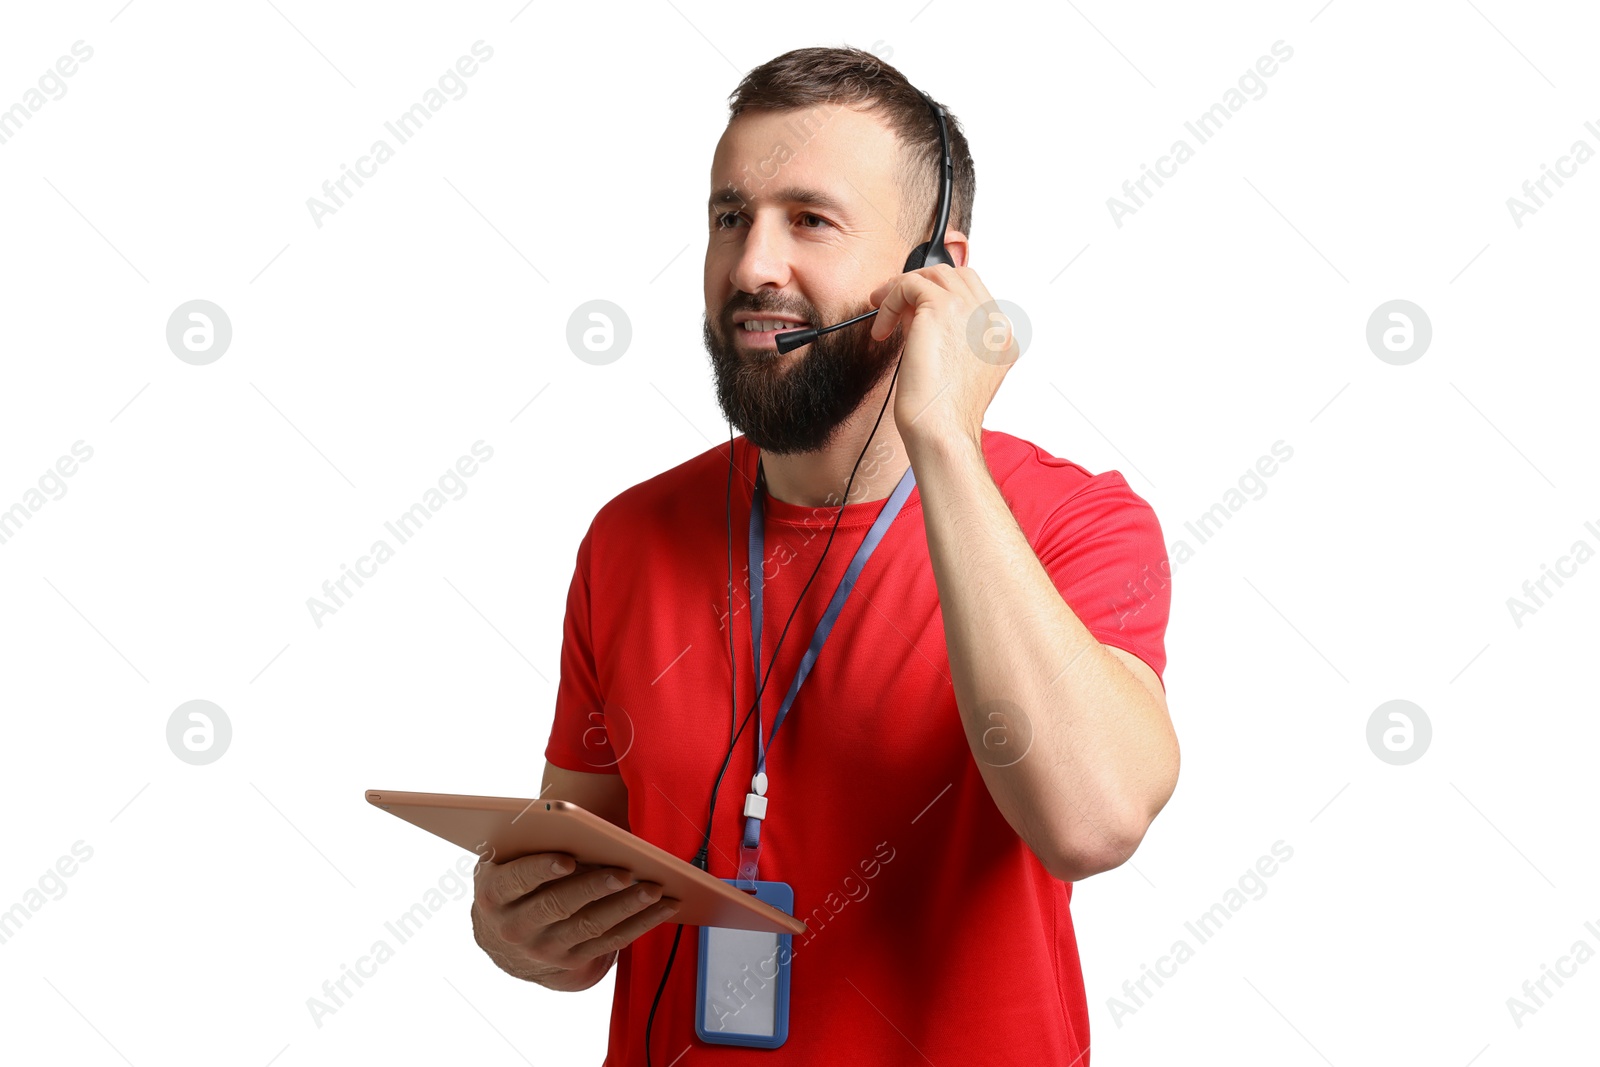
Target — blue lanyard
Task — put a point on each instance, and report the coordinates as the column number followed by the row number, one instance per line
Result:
column 758, row 533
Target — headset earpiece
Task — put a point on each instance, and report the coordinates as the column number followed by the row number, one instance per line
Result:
column 920, row 257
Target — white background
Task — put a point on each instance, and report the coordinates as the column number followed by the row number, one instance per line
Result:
column 430, row 312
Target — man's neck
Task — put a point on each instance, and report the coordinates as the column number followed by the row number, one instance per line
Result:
column 818, row 479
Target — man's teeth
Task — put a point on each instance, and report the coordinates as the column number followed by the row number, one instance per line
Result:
column 760, row 325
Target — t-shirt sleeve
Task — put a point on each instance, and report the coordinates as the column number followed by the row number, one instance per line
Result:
column 1104, row 551
column 578, row 737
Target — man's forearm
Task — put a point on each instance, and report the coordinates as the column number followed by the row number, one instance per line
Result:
column 1101, row 757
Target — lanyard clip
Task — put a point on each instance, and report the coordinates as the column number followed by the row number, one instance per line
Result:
column 755, row 810
column 747, row 866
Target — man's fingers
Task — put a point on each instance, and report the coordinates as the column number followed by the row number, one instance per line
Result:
column 564, row 899
column 501, row 883
column 597, row 918
column 894, row 304
column 968, row 278
column 626, row 932
column 901, row 296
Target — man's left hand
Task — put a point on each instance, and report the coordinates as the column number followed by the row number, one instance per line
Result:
column 958, row 347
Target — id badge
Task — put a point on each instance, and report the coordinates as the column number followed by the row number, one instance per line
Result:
column 742, row 992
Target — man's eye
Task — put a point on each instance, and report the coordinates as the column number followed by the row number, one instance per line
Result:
column 722, row 221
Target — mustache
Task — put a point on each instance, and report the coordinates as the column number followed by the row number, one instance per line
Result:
column 760, row 307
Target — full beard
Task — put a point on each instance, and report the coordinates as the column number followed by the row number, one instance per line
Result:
column 797, row 402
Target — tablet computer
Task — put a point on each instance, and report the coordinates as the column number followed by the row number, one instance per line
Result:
column 505, row 828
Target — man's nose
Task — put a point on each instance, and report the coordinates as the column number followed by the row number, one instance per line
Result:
column 764, row 258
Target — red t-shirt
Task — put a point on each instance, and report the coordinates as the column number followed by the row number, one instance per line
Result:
column 934, row 932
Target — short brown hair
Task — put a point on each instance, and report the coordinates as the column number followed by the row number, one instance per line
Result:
column 807, row 77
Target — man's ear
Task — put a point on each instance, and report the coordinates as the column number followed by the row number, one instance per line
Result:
column 955, row 242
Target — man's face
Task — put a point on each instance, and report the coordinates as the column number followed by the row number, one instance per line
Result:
column 802, row 229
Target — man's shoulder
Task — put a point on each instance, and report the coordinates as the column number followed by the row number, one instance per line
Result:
column 1083, row 525
column 1038, row 484
column 665, row 500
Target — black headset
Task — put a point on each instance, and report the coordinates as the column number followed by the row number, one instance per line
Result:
column 929, row 253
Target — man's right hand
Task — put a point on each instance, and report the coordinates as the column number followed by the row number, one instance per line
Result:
column 546, row 919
